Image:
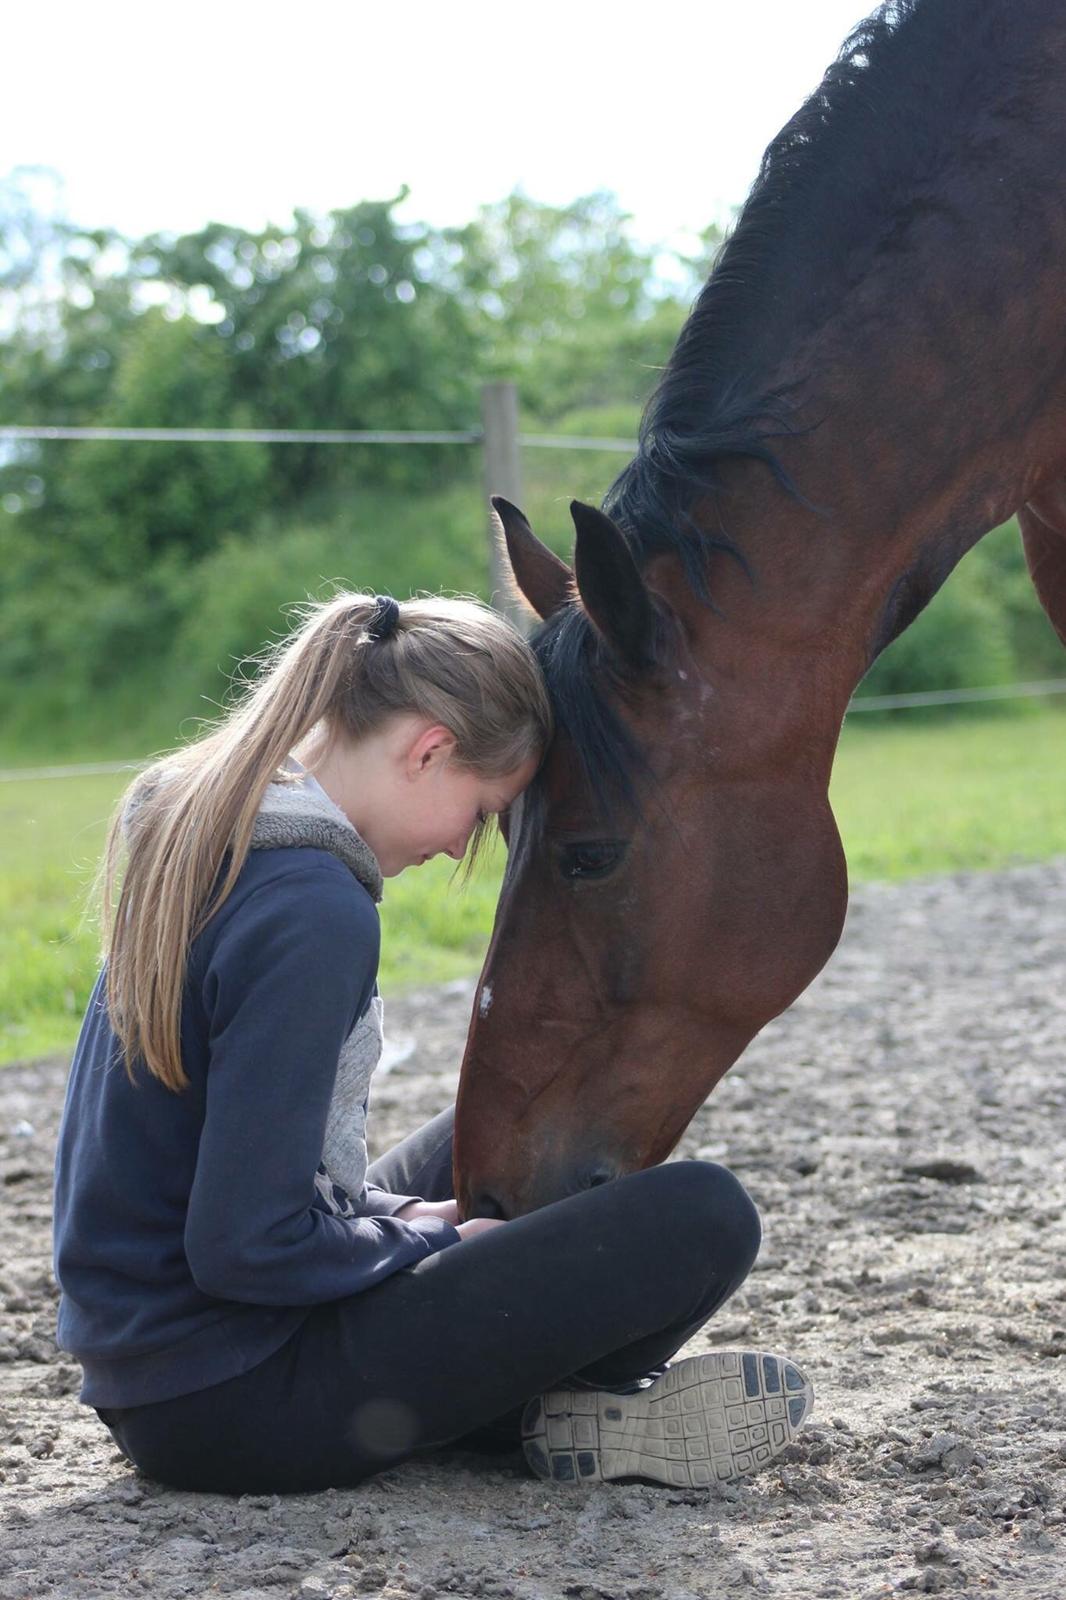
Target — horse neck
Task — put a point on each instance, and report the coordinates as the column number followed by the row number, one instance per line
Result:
column 787, row 641
column 931, row 406
column 929, row 409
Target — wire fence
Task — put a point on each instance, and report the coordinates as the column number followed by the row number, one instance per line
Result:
column 89, row 769
column 501, row 442
column 873, row 702
column 468, row 436
column 957, row 697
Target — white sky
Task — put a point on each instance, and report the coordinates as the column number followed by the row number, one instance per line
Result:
column 167, row 117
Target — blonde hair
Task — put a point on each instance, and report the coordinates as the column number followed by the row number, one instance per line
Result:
column 192, row 812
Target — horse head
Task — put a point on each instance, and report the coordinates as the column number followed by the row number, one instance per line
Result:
column 871, row 378
column 674, row 880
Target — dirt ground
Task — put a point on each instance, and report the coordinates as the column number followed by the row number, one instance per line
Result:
column 903, row 1130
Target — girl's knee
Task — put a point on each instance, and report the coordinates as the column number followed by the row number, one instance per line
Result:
column 718, row 1206
column 694, row 1231
column 695, row 1207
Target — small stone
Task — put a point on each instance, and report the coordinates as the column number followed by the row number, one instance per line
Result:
column 1036, row 1539
column 931, row 1580
column 943, row 1169
column 37, row 1349
column 186, row 1550
column 971, row 1529
column 942, row 1450
column 315, row 1588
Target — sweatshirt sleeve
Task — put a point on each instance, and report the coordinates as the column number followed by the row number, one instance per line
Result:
column 288, row 977
column 375, row 1202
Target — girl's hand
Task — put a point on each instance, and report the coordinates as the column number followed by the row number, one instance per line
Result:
column 478, row 1225
column 447, row 1209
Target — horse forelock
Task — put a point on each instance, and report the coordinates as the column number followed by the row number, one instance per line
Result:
column 586, row 684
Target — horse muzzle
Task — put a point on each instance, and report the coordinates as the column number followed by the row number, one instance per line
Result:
column 505, row 1200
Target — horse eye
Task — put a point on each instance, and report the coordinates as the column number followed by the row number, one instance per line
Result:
column 585, row 862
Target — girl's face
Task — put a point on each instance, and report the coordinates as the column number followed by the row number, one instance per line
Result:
column 404, row 791
column 437, row 813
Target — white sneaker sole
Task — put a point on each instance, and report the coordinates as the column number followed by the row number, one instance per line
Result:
column 706, row 1420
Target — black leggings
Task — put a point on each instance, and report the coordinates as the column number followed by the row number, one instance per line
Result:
column 603, row 1287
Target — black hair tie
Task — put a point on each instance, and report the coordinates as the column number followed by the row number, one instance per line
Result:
column 385, row 617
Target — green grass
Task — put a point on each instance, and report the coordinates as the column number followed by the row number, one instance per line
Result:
column 51, row 834
column 961, row 790
column 912, row 798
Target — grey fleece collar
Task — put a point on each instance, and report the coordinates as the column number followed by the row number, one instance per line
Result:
column 296, row 815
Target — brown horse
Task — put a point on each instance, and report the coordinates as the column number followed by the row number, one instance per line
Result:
column 872, row 378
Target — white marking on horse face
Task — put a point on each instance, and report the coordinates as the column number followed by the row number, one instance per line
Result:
column 484, row 1005
column 682, row 675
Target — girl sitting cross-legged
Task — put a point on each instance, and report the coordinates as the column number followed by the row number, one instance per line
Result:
column 257, row 1310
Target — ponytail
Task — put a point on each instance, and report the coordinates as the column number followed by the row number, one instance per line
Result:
column 187, row 821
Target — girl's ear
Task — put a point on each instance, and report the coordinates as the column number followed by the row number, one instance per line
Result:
column 433, row 747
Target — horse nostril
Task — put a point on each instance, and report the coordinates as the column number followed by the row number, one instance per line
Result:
column 598, row 1176
column 486, row 1205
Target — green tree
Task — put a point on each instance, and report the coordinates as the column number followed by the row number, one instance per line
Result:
column 127, row 505
column 564, row 301
column 333, row 323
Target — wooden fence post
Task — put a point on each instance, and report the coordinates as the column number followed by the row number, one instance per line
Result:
column 503, row 475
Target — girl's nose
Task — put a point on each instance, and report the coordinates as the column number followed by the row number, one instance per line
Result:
column 457, row 849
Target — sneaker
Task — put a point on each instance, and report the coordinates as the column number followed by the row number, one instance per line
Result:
column 706, row 1420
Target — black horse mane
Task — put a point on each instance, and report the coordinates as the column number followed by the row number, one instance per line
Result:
column 864, row 156
column 838, row 187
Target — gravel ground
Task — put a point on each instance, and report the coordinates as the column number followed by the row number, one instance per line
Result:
column 902, row 1129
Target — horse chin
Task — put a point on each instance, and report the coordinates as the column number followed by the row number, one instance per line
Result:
column 534, row 1151
column 507, row 1188
column 508, row 1202
column 514, row 1183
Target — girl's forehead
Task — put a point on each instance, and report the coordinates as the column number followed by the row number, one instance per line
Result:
column 508, row 787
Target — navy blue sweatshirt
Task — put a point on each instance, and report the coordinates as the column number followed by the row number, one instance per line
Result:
column 190, row 1241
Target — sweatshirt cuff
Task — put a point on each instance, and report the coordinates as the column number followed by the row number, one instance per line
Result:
column 375, row 1202
column 437, row 1233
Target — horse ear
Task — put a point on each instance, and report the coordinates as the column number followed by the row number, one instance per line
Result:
column 611, row 587
column 540, row 575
